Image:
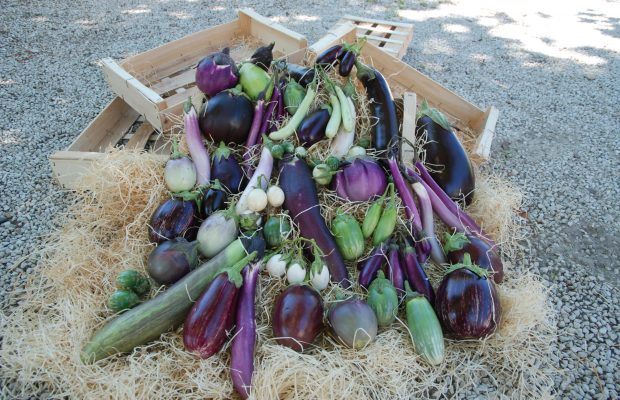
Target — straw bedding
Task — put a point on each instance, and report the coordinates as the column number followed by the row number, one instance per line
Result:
column 105, row 233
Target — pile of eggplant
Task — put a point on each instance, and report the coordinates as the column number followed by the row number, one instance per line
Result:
column 252, row 209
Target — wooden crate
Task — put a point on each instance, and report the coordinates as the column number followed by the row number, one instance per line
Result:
column 117, row 125
column 157, row 82
column 475, row 127
column 391, row 37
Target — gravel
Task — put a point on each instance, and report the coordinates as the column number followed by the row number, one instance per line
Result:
column 553, row 70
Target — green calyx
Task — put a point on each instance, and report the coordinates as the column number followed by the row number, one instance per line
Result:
column 356, row 47
column 176, row 153
column 468, row 264
column 411, row 294
column 221, row 151
column 191, row 195
column 433, row 113
column 234, row 272
column 454, row 242
column 188, row 105
column 364, row 72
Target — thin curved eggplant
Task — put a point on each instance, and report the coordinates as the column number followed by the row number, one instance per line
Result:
column 312, row 127
column 453, row 170
column 416, row 276
column 174, row 218
column 370, row 266
column 395, row 271
column 302, row 202
column 383, row 110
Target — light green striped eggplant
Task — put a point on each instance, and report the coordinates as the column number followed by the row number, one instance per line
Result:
column 424, row 327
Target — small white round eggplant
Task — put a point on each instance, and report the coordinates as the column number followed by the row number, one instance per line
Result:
column 320, row 279
column 276, row 266
column 295, row 273
column 257, row 200
column 180, row 174
column 275, row 196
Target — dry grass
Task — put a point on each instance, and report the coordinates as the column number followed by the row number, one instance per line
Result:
column 105, row 233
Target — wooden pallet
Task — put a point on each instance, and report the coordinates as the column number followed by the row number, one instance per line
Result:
column 391, row 37
column 475, row 126
column 157, row 82
column 117, row 125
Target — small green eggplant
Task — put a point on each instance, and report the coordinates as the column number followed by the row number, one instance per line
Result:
column 276, row 229
column 387, row 222
column 424, row 327
column 383, row 299
column 348, row 235
column 133, row 281
column 122, row 300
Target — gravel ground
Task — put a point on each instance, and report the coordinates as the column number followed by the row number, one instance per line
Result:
column 552, row 70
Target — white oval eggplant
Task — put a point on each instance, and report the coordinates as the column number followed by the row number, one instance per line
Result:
column 276, row 266
column 320, row 280
column 295, row 273
column 180, row 174
column 217, row 232
column 275, row 196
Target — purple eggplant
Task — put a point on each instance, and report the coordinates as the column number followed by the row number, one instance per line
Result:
column 360, row 180
column 216, row 72
column 227, row 117
column 214, row 199
column 312, row 127
column 226, row 169
column 453, row 170
column 481, row 253
column 329, row 56
column 211, row 317
column 395, row 270
column 174, row 218
column 415, row 274
column 172, row 260
column 467, row 302
column 302, row 202
column 263, row 56
column 370, row 266
column 346, row 63
column 353, row 323
column 297, row 317
column 303, row 75
column 244, row 342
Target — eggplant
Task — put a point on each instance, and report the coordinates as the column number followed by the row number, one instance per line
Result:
column 263, row 56
column 453, row 170
column 481, row 253
column 226, row 169
column 360, row 180
column 353, row 323
column 227, row 117
column 394, row 270
column 382, row 107
column 346, row 63
column 303, row 75
column 415, row 274
column 214, row 199
column 312, row 127
column 329, row 56
column 302, row 202
column 383, row 299
column 173, row 218
column 172, row 260
column 216, row 72
column 467, row 303
column 370, row 266
column 297, row 317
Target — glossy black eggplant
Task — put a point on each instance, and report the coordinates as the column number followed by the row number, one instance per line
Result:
column 327, row 57
column 452, row 169
column 303, row 75
column 226, row 169
column 346, row 63
column 480, row 251
column 263, row 56
column 227, row 117
column 312, row 127
column 467, row 302
column 174, row 218
column 214, row 199
column 385, row 131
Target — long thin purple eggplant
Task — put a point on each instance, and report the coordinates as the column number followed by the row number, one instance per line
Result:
column 272, row 111
column 280, row 111
column 244, row 342
column 405, row 194
column 257, row 121
column 428, row 231
column 416, row 276
column 395, row 272
column 369, row 267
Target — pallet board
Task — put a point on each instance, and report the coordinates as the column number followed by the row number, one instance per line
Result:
column 390, row 36
column 157, row 82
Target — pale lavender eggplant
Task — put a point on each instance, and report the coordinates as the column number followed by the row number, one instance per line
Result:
column 361, row 180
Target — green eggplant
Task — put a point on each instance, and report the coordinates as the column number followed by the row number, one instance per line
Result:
column 123, row 300
column 424, row 327
column 383, row 299
column 348, row 235
column 387, row 222
column 373, row 214
column 276, row 229
column 133, row 281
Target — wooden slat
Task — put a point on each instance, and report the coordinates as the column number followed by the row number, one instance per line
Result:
column 168, row 84
column 487, row 132
column 382, row 39
column 172, row 115
column 337, row 34
column 138, row 96
column 140, row 136
column 380, row 29
column 107, row 128
column 377, row 21
column 286, row 41
column 413, row 80
column 408, row 128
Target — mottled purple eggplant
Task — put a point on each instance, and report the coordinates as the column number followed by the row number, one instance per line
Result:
column 481, row 253
column 312, row 127
column 297, row 317
column 353, row 323
column 467, row 302
column 172, row 260
column 174, row 218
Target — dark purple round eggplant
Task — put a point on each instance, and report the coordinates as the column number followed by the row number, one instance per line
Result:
column 346, row 63
column 227, row 117
column 172, row 260
column 226, row 169
column 312, row 127
column 452, row 169
column 214, row 199
column 481, row 253
column 174, row 218
column 297, row 317
column 467, row 304
column 327, row 57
